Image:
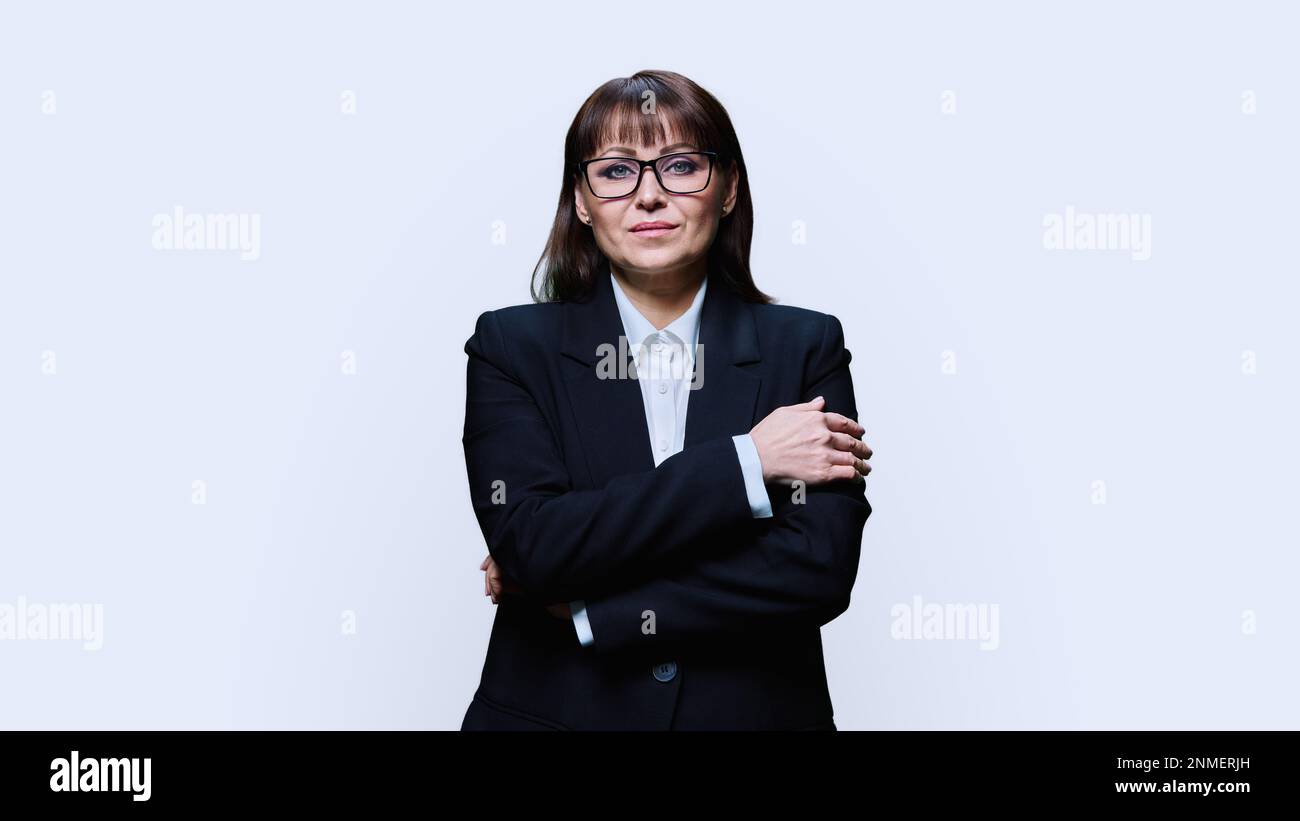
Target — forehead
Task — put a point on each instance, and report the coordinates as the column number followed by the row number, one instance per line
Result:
column 642, row 135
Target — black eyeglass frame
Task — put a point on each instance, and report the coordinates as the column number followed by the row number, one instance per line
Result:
column 640, row 174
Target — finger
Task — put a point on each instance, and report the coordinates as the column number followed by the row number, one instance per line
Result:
column 812, row 404
column 486, row 559
column 851, row 444
column 841, row 457
column 840, row 422
column 487, row 590
column 843, row 472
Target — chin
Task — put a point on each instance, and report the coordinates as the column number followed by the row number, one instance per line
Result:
column 663, row 259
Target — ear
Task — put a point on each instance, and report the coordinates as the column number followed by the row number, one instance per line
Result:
column 579, row 207
column 733, row 186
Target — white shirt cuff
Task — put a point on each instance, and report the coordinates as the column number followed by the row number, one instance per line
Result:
column 752, row 469
column 580, row 623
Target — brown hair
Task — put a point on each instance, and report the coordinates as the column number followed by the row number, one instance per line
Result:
column 615, row 112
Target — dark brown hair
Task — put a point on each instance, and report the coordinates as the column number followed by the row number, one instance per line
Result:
column 617, row 111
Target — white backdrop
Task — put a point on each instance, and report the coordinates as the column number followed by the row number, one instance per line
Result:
column 246, row 463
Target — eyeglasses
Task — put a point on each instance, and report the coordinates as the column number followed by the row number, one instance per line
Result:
column 684, row 173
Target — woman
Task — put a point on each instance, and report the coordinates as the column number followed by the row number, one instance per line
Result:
column 650, row 573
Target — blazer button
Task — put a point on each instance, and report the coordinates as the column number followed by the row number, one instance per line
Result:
column 666, row 671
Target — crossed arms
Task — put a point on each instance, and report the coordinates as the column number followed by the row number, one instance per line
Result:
column 679, row 542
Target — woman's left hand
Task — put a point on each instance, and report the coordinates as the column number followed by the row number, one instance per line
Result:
column 496, row 584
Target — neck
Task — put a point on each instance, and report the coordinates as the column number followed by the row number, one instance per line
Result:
column 662, row 296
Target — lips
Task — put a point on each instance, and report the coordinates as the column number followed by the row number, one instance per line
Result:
column 653, row 229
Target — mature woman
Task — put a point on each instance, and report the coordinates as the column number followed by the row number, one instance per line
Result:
column 654, row 571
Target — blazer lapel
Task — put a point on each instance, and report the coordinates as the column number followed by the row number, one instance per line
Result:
column 609, row 410
column 723, row 403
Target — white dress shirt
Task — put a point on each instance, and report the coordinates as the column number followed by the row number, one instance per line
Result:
column 665, row 364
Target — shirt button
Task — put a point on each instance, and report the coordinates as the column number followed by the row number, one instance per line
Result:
column 663, row 444
column 663, row 388
column 666, row 671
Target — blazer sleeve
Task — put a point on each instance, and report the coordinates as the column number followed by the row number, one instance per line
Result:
column 554, row 541
column 798, row 569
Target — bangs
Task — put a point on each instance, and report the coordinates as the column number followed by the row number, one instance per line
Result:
column 641, row 113
column 615, row 116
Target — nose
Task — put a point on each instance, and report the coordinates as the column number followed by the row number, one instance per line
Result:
column 649, row 193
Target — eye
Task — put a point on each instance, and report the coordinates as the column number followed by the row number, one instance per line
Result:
column 681, row 165
column 617, row 171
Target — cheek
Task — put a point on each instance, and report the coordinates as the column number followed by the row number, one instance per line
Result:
column 703, row 231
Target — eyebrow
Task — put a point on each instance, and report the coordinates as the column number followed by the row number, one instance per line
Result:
column 631, row 152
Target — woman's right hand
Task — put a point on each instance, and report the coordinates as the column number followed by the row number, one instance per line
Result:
column 801, row 443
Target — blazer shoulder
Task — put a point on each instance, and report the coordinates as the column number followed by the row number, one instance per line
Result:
column 804, row 326
column 517, row 327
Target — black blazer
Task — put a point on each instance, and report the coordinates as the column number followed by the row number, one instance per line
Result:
column 704, row 617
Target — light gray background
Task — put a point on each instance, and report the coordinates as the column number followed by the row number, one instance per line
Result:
column 330, row 493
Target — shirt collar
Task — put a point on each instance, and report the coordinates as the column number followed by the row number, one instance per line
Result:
column 637, row 328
